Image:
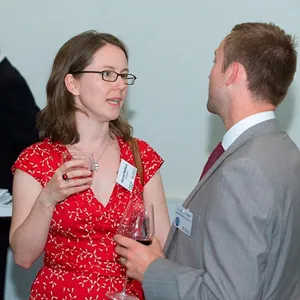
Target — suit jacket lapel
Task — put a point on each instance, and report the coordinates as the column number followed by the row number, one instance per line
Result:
column 270, row 126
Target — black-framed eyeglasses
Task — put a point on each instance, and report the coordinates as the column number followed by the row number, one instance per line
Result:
column 112, row 76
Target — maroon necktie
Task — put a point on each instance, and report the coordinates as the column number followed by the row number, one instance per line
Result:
column 218, row 151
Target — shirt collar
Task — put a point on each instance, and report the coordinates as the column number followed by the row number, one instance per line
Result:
column 235, row 131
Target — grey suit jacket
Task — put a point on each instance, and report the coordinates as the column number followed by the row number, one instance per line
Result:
column 245, row 239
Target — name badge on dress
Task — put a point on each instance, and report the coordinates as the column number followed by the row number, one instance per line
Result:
column 126, row 175
column 183, row 220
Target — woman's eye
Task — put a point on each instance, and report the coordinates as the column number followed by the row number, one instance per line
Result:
column 107, row 73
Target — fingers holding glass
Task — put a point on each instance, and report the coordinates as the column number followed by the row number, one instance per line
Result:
column 70, row 178
column 76, row 173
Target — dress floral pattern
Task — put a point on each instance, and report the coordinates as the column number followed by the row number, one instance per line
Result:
column 80, row 261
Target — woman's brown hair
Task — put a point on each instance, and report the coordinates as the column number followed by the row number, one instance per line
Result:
column 57, row 120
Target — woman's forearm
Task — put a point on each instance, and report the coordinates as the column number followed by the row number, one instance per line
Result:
column 29, row 239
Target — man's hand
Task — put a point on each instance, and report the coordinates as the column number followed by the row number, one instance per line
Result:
column 137, row 257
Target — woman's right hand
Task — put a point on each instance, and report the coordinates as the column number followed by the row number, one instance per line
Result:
column 70, row 178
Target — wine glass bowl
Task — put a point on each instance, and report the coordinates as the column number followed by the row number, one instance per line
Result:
column 138, row 222
column 88, row 158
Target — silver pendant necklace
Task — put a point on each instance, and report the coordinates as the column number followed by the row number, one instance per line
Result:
column 96, row 162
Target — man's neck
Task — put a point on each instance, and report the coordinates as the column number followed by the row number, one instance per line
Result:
column 234, row 118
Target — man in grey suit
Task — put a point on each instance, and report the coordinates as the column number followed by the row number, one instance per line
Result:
column 237, row 236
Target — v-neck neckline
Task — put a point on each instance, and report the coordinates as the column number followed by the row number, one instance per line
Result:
column 116, row 186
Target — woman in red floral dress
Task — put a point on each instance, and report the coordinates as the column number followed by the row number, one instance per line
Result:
column 68, row 211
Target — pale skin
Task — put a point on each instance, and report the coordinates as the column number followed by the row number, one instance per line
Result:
column 101, row 101
column 230, row 98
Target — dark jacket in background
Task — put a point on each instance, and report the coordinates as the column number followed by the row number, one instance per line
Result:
column 17, row 119
column 17, row 131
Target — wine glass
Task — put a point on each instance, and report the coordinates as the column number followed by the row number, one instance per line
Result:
column 88, row 158
column 138, row 224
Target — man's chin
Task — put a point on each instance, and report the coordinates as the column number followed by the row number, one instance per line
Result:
column 210, row 108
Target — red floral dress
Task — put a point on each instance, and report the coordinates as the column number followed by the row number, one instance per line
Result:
column 80, row 261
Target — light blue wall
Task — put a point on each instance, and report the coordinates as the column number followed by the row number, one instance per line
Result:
column 171, row 44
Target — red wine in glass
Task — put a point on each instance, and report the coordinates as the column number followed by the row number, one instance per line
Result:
column 144, row 242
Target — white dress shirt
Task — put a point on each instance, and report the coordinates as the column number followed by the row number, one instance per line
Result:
column 235, row 131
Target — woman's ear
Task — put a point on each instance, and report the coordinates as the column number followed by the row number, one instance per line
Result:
column 72, row 84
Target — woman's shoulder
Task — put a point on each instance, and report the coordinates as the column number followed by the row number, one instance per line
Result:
column 142, row 144
column 151, row 160
column 40, row 151
column 42, row 154
column 40, row 147
column 146, row 151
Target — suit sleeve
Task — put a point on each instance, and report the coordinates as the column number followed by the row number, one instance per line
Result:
column 238, row 225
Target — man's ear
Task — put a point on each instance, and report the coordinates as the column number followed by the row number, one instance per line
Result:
column 72, row 84
column 231, row 74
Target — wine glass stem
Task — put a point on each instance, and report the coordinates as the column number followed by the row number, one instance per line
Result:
column 125, row 285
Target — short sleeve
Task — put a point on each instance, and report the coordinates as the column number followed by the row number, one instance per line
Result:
column 150, row 159
column 31, row 161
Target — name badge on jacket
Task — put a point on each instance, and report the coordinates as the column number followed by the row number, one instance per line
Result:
column 183, row 220
column 126, row 175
